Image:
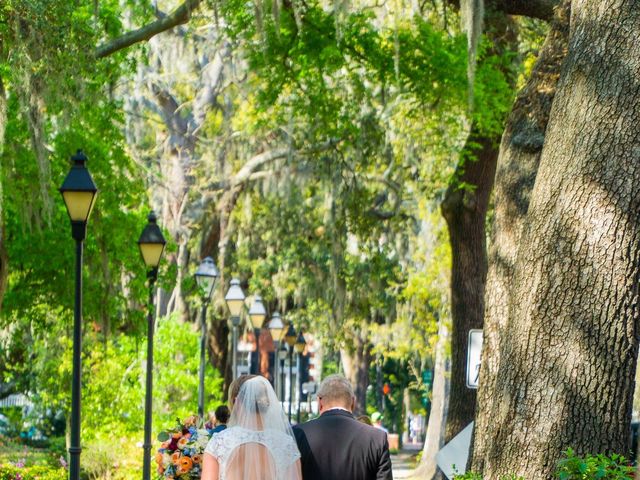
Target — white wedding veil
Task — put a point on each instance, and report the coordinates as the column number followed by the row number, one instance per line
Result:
column 267, row 450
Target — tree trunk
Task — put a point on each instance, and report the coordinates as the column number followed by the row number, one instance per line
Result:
column 465, row 211
column 356, row 365
column 567, row 361
column 516, row 172
column 438, row 415
column 4, row 267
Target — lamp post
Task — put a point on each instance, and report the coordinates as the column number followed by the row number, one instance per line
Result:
column 299, row 347
column 235, row 301
column 151, row 245
column 290, row 337
column 79, row 194
column 282, row 355
column 257, row 314
column 206, row 276
column 276, row 327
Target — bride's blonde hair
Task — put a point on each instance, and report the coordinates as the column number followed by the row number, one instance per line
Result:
column 234, row 388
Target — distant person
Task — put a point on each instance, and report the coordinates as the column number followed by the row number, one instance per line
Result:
column 365, row 419
column 222, row 414
column 376, row 418
column 336, row 446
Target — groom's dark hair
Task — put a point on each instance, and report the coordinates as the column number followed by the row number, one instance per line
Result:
column 336, row 389
column 222, row 414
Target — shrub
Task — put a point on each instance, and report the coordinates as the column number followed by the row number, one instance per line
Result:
column 573, row 467
column 10, row 472
column 600, row 466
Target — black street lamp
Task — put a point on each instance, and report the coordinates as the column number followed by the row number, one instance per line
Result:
column 206, row 276
column 282, row 355
column 299, row 347
column 151, row 244
column 290, row 337
column 257, row 314
column 79, row 193
column 276, row 327
column 235, row 302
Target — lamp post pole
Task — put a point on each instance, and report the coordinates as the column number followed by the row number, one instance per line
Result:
column 298, row 383
column 290, row 337
column 257, row 314
column 282, row 355
column 148, row 399
column 76, row 384
column 235, row 321
column 203, row 347
column 290, row 381
column 299, row 346
column 275, row 328
column 276, row 362
column 151, row 244
column 79, row 194
column 206, row 276
column 235, row 302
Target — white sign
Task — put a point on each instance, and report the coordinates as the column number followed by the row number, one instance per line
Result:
column 474, row 350
column 452, row 458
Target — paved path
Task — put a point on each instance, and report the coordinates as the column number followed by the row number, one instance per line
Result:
column 403, row 463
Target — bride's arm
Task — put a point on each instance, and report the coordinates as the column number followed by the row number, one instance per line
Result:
column 210, row 467
column 294, row 472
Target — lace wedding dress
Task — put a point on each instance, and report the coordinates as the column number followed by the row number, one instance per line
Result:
column 245, row 454
column 259, row 443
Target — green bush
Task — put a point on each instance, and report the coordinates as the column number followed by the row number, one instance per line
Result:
column 573, row 467
column 10, row 472
column 600, row 466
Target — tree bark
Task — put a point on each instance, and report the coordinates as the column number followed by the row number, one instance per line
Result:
column 4, row 266
column 516, row 172
column 438, row 415
column 465, row 211
column 356, row 363
column 567, row 361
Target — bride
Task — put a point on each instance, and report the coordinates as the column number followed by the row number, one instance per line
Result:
column 258, row 443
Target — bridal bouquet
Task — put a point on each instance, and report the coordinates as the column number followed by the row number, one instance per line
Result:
column 180, row 455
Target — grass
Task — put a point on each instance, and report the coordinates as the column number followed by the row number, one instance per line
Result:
column 14, row 452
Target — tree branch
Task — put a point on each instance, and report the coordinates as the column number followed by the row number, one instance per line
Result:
column 542, row 9
column 179, row 16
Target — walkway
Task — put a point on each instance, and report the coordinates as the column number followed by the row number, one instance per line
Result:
column 403, row 462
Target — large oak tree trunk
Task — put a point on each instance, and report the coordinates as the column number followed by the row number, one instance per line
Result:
column 567, row 361
column 438, row 415
column 465, row 211
column 517, row 167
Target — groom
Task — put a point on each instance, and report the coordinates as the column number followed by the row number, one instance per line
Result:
column 336, row 446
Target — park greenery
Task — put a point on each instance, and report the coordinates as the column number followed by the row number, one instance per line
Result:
column 310, row 147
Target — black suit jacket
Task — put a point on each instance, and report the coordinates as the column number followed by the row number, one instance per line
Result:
column 336, row 446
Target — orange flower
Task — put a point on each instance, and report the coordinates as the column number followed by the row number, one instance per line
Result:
column 176, row 435
column 165, row 444
column 191, row 421
column 183, row 442
column 160, row 469
column 175, row 458
column 186, row 464
column 197, row 458
column 159, row 458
